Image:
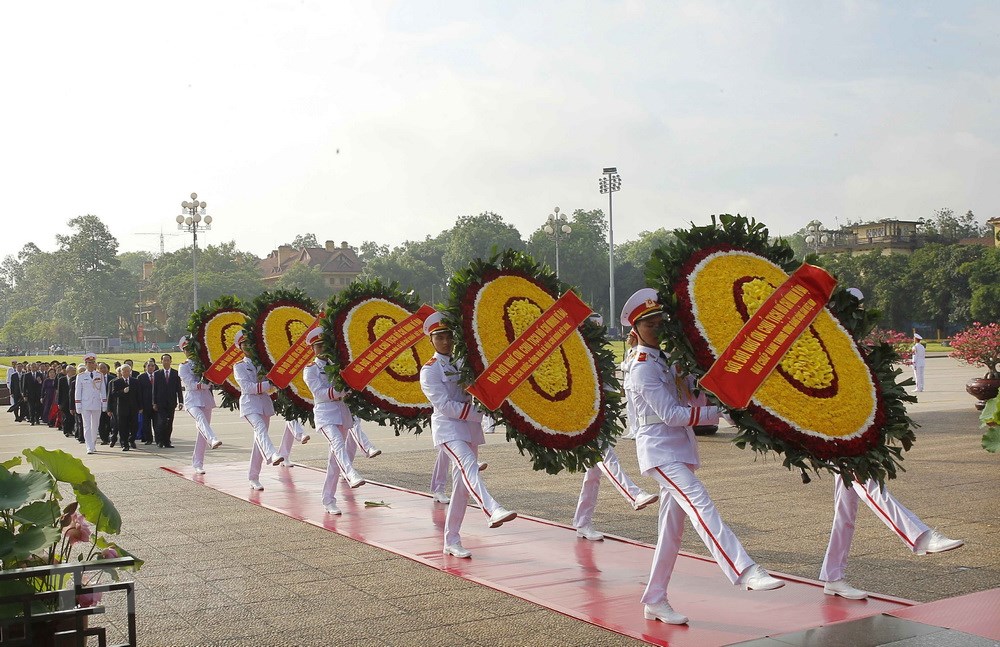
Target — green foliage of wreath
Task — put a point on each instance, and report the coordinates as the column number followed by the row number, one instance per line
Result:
column 363, row 404
column 544, row 458
column 230, row 397
column 663, row 272
column 286, row 404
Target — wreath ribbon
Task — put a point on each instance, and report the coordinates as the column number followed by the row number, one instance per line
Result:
column 294, row 360
column 221, row 368
column 384, row 350
column 767, row 335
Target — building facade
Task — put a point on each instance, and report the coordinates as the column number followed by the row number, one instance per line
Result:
column 339, row 264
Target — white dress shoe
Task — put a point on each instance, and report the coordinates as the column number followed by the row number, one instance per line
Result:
column 216, row 443
column 256, row 485
column 441, row 497
column 756, row 578
column 664, row 613
column 500, row 516
column 91, row 451
column 276, row 459
column 199, row 470
column 844, row 590
column 588, row 532
column 305, row 439
column 355, row 480
column 332, row 509
column 645, row 499
column 483, row 466
column 374, row 452
column 934, row 542
column 457, row 550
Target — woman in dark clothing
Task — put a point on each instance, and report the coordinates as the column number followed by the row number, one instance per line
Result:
column 49, row 398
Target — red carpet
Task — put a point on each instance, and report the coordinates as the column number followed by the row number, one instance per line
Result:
column 544, row 563
column 976, row 613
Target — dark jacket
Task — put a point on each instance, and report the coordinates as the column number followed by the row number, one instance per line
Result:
column 31, row 387
column 167, row 392
column 146, row 393
column 125, row 405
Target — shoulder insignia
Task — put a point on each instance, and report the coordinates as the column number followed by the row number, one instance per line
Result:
column 641, row 357
column 431, row 361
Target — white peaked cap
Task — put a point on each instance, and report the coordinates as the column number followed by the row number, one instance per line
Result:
column 239, row 337
column 313, row 335
column 641, row 304
column 856, row 293
column 435, row 324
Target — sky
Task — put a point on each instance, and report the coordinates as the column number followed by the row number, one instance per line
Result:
column 386, row 121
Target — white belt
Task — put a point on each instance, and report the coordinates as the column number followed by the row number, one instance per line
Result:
column 649, row 420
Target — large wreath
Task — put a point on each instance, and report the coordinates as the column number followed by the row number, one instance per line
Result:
column 210, row 333
column 354, row 319
column 276, row 319
column 830, row 404
column 570, row 408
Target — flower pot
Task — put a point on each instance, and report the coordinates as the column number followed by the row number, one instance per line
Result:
column 983, row 389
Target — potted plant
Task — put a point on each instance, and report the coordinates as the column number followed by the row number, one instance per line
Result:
column 39, row 528
column 980, row 346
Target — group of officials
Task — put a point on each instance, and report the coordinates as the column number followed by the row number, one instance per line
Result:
column 93, row 404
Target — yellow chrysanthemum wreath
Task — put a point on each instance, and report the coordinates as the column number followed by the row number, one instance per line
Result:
column 210, row 332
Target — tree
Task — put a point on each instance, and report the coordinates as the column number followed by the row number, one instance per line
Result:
column 945, row 227
column 93, row 284
column 984, row 284
column 304, row 240
column 477, row 237
column 583, row 255
column 308, row 279
column 415, row 265
column 940, row 290
column 222, row 270
column 21, row 328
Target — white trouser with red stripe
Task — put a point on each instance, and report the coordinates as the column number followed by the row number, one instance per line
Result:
column 203, row 422
column 339, row 462
column 91, row 421
column 439, row 477
column 682, row 493
column 611, row 468
column 845, row 510
column 293, row 432
column 262, row 445
column 465, row 479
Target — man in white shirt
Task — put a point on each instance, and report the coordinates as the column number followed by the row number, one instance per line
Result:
column 90, row 399
column 199, row 403
column 919, row 359
column 256, row 408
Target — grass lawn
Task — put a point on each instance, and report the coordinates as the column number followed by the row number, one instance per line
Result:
column 139, row 357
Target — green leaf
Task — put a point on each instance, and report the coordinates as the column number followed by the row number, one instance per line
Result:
column 98, row 509
column 11, row 462
column 26, row 542
column 17, row 489
column 991, row 413
column 39, row 513
column 62, row 466
column 991, row 440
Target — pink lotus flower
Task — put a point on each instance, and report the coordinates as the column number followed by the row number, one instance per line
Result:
column 89, row 599
column 109, row 553
column 78, row 529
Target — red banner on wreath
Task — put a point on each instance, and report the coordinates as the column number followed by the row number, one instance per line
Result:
column 767, row 335
column 526, row 353
column 223, row 367
column 384, row 350
column 294, row 360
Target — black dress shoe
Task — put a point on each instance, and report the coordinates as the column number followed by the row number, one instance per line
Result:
column 104, row 442
column 168, row 446
column 147, row 442
column 125, row 448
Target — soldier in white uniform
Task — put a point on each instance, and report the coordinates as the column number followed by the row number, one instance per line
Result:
column 919, row 359
column 90, row 398
column 198, row 402
column 256, row 407
column 333, row 419
column 625, row 367
column 456, row 427
column 666, row 414
column 917, row 536
column 610, row 467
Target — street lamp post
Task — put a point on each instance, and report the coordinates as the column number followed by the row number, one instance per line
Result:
column 610, row 183
column 557, row 228
column 194, row 219
column 816, row 237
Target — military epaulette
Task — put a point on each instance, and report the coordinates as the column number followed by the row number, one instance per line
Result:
column 431, row 361
column 641, row 357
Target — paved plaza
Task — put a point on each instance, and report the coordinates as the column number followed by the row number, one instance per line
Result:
column 220, row 571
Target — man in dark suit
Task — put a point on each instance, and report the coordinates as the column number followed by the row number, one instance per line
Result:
column 31, row 389
column 16, row 397
column 124, row 404
column 146, row 390
column 105, row 428
column 168, row 396
column 64, row 396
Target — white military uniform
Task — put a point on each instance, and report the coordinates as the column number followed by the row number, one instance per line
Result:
column 91, row 398
column 919, row 359
column 625, row 367
column 456, row 428
column 667, row 450
column 611, row 468
column 334, row 420
column 900, row 520
column 257, row 408
column 198, row 402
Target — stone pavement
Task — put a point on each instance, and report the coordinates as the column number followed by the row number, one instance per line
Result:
column 222, row 572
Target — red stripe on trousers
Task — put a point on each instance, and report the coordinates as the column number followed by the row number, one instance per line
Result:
column 604, row 468
column 468, row 485
column 888, row 520
column 700, row 520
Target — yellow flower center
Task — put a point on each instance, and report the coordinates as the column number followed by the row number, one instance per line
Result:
column 805, row 360
column 551, row 375
column 405, row 363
